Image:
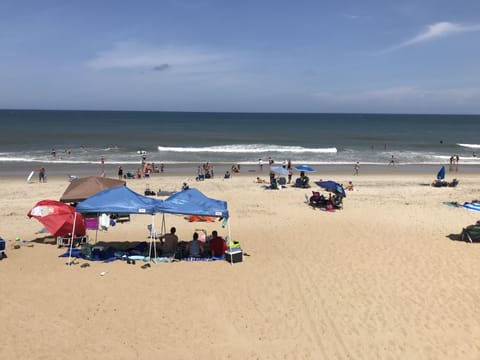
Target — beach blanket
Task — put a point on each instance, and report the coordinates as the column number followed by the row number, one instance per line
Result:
column 474, row 206
column 111, row 254
column 77, row 253
column 213, row 258
column 108, row 254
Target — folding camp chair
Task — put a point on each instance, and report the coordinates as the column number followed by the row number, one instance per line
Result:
column 2, row 249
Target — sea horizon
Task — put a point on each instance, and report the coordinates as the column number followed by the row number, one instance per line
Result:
column 82, row 138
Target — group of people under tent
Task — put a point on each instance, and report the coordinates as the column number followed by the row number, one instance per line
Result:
column 198, row 247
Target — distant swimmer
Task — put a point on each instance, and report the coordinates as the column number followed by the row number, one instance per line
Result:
column 392, row 161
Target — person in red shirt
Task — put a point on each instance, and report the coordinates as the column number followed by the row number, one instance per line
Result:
column 217, row 245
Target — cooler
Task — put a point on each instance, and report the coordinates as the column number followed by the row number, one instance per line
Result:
column 234, row 255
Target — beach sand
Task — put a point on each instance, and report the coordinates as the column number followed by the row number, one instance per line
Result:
column 383, row 278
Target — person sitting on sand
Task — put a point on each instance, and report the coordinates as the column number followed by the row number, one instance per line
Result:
column 304, row 180
column 350, row 186
column 217, row 245
column 261, row 181
column 194, row 248
column 169, row 243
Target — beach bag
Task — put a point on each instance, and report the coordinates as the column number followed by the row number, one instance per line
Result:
column 234, row 244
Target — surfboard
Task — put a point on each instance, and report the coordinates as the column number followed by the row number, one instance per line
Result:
column 473, row 146
column 29, row 178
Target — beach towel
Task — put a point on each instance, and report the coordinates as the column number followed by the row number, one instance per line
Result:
column 196, row 218
column 213, row 258
column 473, row 206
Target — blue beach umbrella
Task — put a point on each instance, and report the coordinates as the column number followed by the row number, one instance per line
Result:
column 332, row 186
column 441, row 173
column 305, row 168
column 279, row 170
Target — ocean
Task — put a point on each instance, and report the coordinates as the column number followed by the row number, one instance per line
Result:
column 84, row 137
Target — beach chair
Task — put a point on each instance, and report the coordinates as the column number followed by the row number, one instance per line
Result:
column 148, row 191
column 67, row 240
column 453, row 183
column 471, row 233
column 2, row 248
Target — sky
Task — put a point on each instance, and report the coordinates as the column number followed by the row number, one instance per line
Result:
column 320, row 56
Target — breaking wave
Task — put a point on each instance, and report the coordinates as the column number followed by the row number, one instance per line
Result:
column 251, row 148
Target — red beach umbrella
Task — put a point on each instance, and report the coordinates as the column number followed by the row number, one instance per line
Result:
column 59, row 218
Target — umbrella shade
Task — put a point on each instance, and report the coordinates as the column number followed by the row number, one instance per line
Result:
column 441, row 173
column 279, row 170
column 83, row 188
column 58, row 218
column 332, row 186
column 305, row 168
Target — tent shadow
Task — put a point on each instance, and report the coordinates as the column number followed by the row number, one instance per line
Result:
column 121, row 245
column 49, row 240
column 455, row 237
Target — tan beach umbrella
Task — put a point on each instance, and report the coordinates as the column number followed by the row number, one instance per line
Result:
column 82, row 188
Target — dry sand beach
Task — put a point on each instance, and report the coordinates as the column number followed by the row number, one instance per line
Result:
column 380, row 279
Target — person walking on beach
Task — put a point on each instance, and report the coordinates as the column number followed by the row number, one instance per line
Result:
column 120, row 173
column 41, row 175
column 356, row 168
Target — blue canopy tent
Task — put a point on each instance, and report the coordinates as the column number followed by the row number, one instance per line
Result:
column 120, row 200
column 193, row 202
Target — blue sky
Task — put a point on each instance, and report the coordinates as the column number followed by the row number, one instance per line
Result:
column 409, row 56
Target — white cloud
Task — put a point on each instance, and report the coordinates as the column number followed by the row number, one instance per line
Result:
column 435, row 31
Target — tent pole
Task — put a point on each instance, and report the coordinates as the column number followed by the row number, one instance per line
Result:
column 164, row 225
column 153, row 235
column 71, row 239
column 229, row 240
